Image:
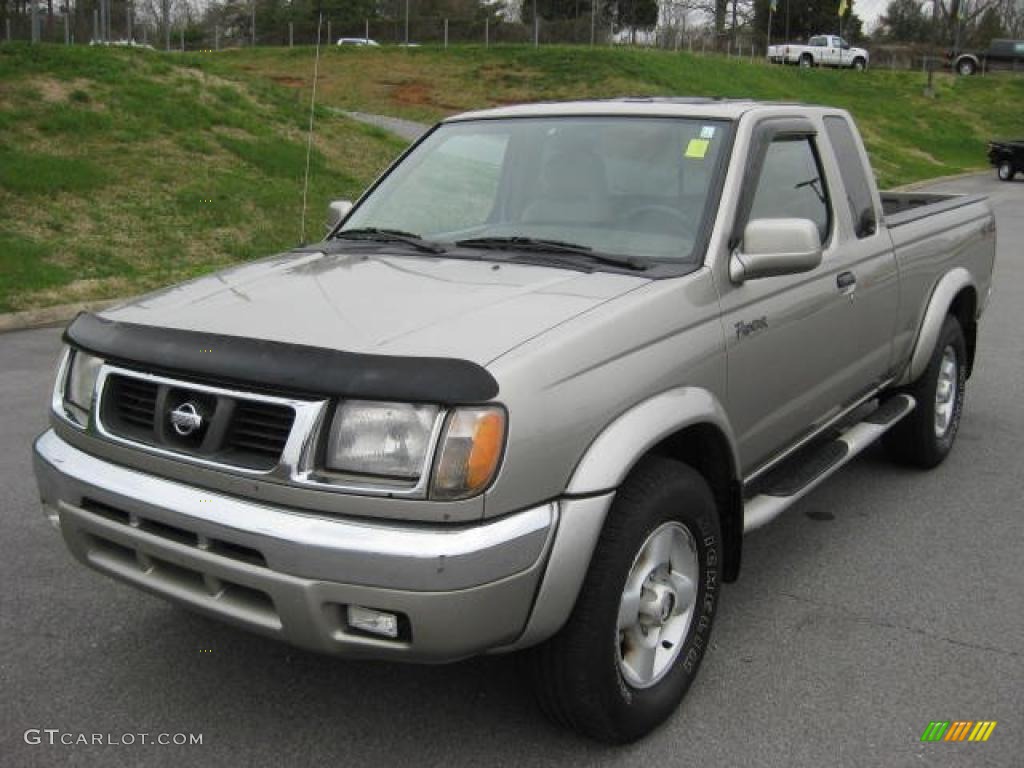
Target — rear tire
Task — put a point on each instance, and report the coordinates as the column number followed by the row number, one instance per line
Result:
column 614, row 673
column 1006, row 171
column 806, row 61
column 925, row 437
column 966, row 67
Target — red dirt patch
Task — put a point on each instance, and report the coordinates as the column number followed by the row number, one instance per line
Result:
column 291, row 82
column 413, row 93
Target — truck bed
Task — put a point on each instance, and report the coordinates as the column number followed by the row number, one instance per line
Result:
column 904, row 207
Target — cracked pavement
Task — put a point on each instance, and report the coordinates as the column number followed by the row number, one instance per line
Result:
column 886, row 599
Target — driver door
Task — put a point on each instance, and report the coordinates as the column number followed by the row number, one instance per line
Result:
column 833, row 51
column 791, row 363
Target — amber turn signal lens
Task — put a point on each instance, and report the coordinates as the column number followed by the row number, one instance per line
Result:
column 471, row 449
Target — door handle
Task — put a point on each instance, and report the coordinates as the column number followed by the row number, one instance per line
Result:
column 846, row 282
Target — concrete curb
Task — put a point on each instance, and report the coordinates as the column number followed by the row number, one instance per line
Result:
column 915, row 185
column 405, row 129
column 58, row 315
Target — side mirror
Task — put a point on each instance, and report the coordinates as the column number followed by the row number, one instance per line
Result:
column 336, row 212
column 776, row 247
column 846, row 46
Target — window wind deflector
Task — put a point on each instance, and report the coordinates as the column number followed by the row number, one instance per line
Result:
column 376, row 235
column 541, row 245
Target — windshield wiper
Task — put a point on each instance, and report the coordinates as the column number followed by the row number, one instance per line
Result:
column 541, row 245
column 376, row 235
column 815, row 185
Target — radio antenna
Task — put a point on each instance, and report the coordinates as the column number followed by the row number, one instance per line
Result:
column 309, row 139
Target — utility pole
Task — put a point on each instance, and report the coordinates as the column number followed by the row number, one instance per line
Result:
column 536, row 26
column 35, row 21
column 407, row 22
column 734, row 30
column 253, row 23
column 131, row 32
column 165, row 12
column 593, row 22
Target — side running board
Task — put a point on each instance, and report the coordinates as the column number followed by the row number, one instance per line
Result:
column 809, row 466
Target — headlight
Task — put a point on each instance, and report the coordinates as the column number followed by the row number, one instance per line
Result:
column 79, row 385
column 470, row 452
column 383, row 439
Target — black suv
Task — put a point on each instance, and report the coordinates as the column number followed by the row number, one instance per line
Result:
column 1001, row 54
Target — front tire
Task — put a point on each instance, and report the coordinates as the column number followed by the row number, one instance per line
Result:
column 1006, row 171
column 966, row 67
column 642, row 622
column 859, row 64
column 925, row 437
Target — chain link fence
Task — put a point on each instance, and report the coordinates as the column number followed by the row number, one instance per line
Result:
column 83, row 28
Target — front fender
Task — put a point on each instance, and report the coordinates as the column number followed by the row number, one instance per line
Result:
column 623, row 442
column 591, row 491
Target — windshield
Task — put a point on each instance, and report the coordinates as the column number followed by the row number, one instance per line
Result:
column 619, row 185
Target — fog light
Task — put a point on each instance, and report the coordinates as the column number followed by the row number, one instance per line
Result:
column 375, row 622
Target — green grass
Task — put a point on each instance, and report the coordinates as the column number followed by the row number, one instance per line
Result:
column 124, row 170
column 39, row 173
column 23, row 263
column 910, row 136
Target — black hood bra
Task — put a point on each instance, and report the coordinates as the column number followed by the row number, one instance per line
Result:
column 278, row 366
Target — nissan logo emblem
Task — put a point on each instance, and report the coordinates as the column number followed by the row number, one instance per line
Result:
column 186, row 419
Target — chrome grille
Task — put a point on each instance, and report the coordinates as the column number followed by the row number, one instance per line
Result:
column 235, row 430
column 135, row 401
column 259, row 430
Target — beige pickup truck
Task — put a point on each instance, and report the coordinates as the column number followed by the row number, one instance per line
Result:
column 529, row 393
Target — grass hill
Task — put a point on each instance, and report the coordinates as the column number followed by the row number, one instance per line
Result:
column 122, row 170
column 910, row 136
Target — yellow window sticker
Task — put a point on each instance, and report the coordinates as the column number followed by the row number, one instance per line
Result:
column 697, row 148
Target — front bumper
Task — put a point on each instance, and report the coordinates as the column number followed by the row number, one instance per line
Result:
column 462, row 590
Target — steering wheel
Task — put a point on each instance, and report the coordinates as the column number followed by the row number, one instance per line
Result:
column 673, row 220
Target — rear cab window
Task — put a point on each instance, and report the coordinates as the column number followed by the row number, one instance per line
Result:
column 854, row 177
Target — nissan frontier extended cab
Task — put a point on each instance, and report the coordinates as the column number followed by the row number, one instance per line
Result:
column 529, row 393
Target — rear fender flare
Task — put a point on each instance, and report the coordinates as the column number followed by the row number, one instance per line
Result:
column 947, row 289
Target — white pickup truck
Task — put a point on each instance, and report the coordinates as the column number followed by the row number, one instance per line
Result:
column 821, row 50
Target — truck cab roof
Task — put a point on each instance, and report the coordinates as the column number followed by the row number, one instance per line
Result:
column 653, row 106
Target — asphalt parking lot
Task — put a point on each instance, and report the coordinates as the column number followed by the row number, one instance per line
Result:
column 888, row 598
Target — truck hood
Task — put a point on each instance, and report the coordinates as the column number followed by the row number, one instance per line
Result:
column 388, row 304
